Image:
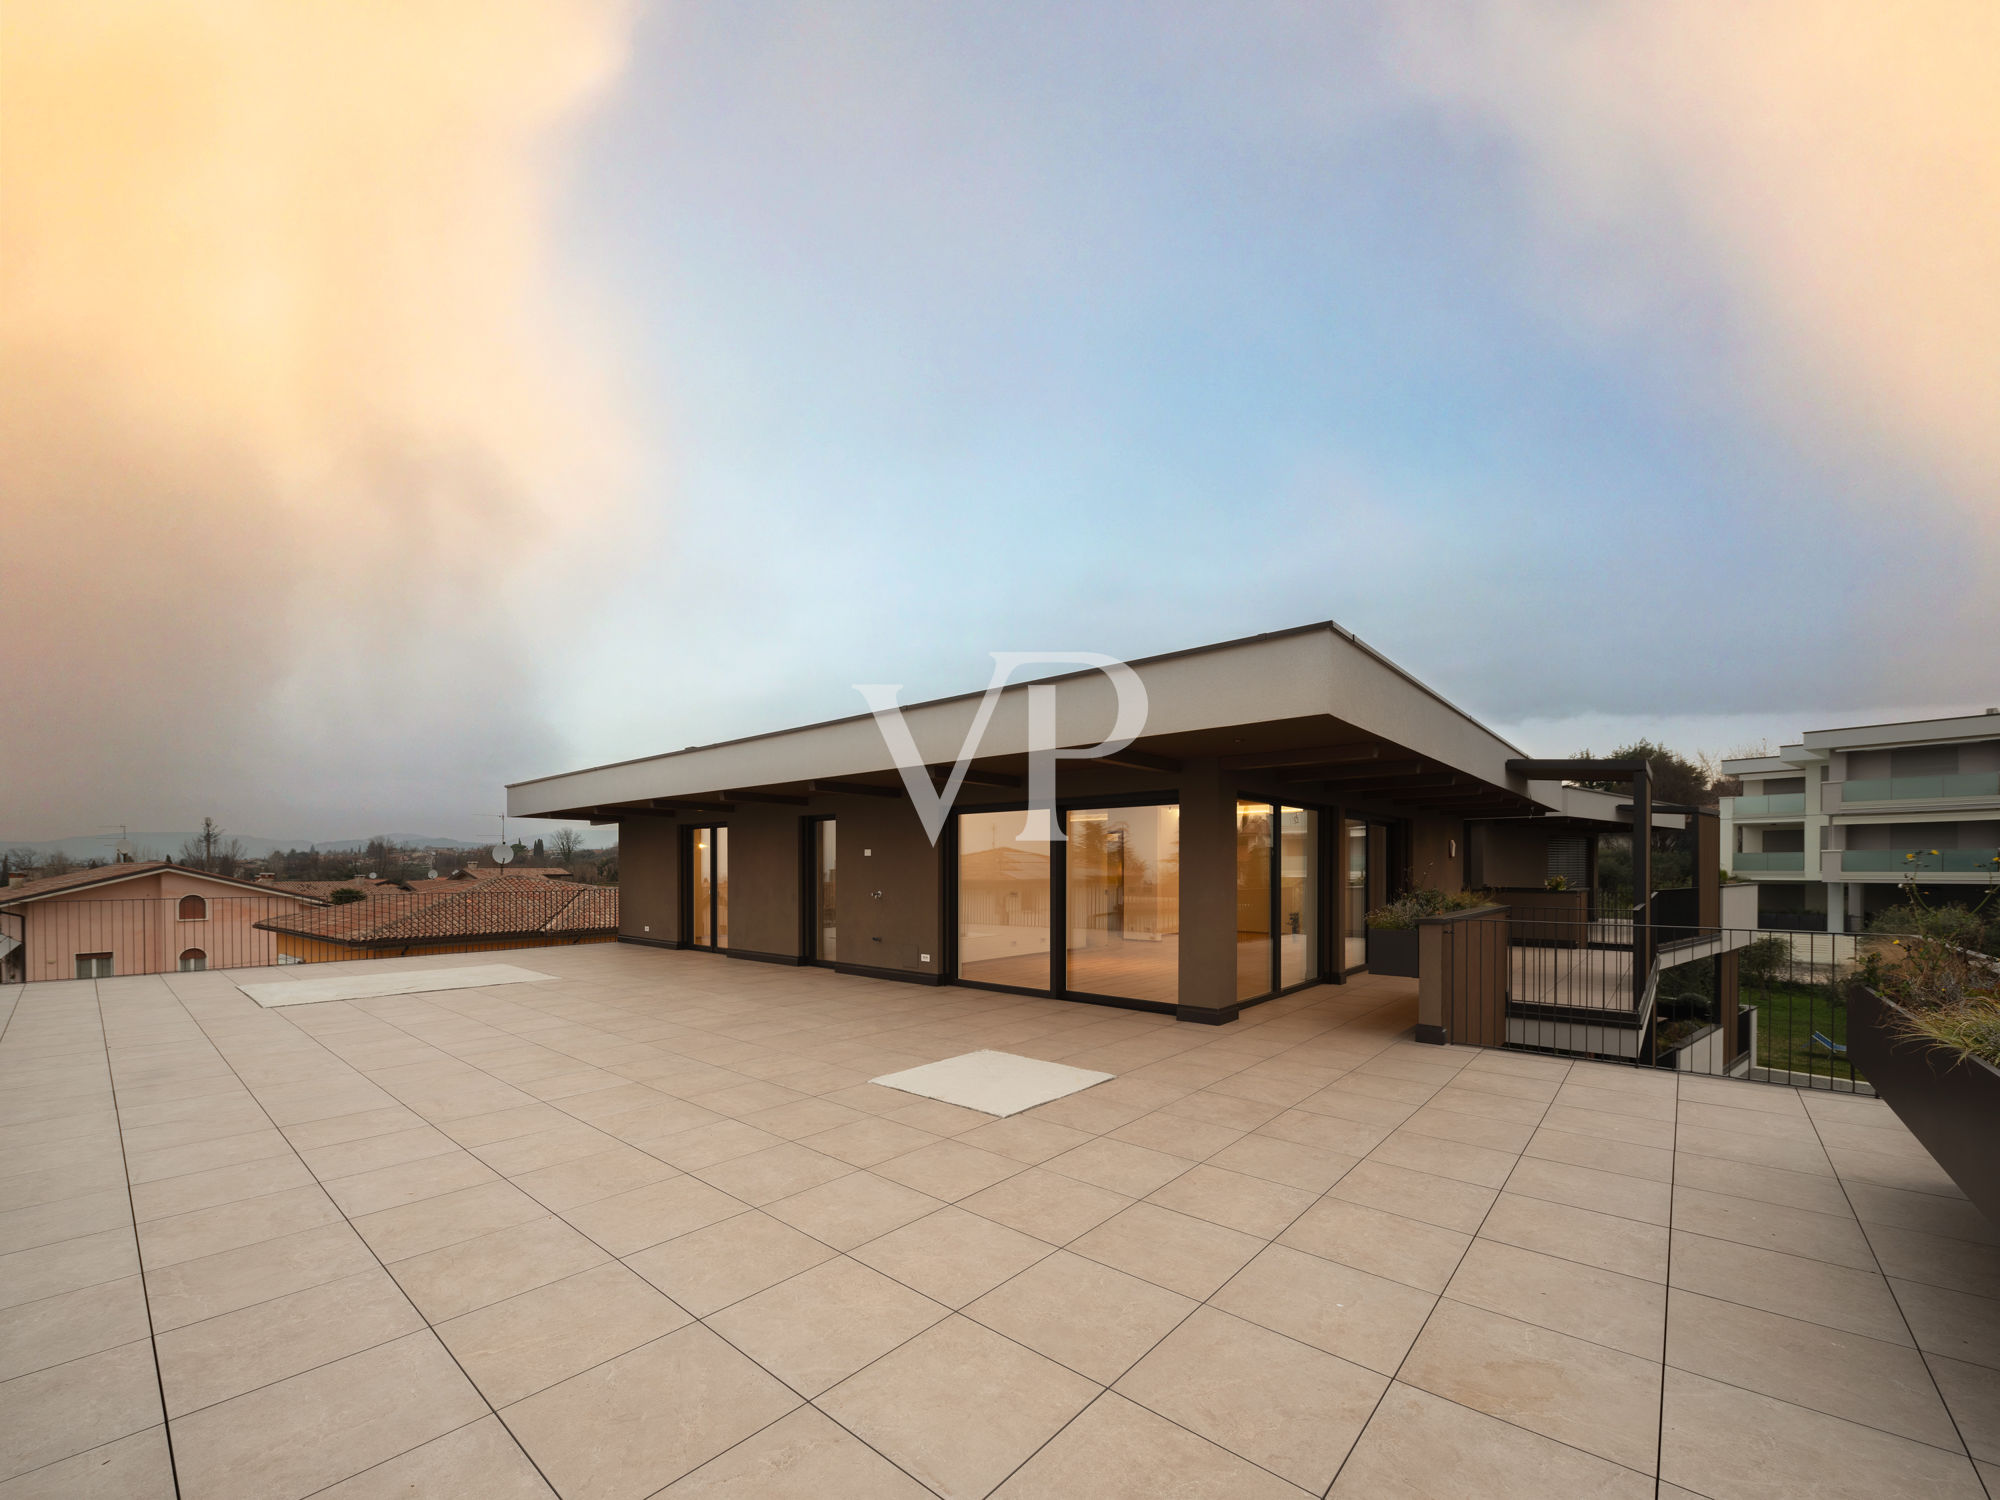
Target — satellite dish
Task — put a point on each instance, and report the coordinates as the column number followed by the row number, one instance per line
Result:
column 501, row 854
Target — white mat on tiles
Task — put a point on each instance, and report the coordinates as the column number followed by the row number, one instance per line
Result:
column 369, row 986
column 994, row 1083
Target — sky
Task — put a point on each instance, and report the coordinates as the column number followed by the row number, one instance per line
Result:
column 397, row 401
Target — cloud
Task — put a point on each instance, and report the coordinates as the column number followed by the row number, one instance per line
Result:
column 294, row 418
column 1828, row 170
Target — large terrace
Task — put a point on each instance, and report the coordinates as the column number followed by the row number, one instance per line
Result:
column 645, row 1228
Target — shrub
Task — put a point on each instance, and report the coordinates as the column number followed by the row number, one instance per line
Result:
column 1426, row 901
column 1762, row 960
column 344, row 895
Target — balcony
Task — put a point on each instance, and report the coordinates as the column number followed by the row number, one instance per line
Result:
column 1920, row 861
column 1782, row 804
column 1918, row 788
column 1769, row 862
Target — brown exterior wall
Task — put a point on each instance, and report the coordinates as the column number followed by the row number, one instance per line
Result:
column 883, row 848
column 764, row 880
column 649, row 879
column 1508, row 855
column 1208, row 889
column 1433, row 861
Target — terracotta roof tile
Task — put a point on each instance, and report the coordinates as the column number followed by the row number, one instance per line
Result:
column 506, row 906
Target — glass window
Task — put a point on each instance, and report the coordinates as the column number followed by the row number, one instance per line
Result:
column 722, row 887
column 701, row 890
column 193, row 961
column 1123, row 903
column 1253, row 900
column 823, row 904
column 1357, row 895
column 1003, row 902
column 93, row 966
column 193, row 909
column 1298, row 896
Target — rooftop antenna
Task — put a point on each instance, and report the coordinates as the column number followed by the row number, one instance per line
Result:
column 502, row 852
column 123, row 847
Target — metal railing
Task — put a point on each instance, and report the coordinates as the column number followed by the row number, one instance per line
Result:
column 1745, row 1002
column 78, row 937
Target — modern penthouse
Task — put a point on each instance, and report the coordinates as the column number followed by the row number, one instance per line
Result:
column 1831, row 828
column 1283, row 785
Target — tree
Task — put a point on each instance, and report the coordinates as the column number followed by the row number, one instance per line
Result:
column 564, row 847
column 540, row 853
column 213, row 851
column 1689, row 779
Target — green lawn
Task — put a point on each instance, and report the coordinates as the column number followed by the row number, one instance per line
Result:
column 1787, row 1016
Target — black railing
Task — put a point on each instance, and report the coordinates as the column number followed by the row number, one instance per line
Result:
column 78, row 937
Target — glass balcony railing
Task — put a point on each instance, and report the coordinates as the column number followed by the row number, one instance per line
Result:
column 1909, row 788
column 1938, row 861
column 1752, row 864
column 1765, row 807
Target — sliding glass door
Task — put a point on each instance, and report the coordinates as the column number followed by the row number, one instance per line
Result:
column 1277, row 898
column 824, row 947
column 1122, row 906
column 708, row 887
column 1003, row 902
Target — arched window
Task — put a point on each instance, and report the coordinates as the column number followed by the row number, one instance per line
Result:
column 194, row 909
column 193, row 960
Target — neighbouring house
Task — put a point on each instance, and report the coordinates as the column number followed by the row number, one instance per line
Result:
column 150, row 917
column 1831, row 828
column 529, row 910
column 1284, row 785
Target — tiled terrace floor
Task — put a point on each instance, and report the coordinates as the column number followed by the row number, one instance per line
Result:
column 647, row 1230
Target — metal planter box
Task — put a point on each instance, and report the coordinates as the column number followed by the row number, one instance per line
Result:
column 1950, row 1103
column 1393, row 951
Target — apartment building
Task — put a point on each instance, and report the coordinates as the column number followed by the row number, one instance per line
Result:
column 1832, row 827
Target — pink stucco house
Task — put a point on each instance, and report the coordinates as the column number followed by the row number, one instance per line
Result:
column 147, row 918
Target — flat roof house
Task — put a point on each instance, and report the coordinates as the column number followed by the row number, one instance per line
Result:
column 1831, row 828
column 1283, row 785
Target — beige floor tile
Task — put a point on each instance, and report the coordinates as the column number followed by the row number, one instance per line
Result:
column 1029, row 1140
column 1367, row 1320
column 1586, row 1302
column 1118, row 1450
column 1096, row 1320
column 399, row 1233
column 1416, row 1195
column 959, row 1407
column 229, row 1226
column 1790, row 1156
column 950, row 1170
column 1285, row 1406
column 1326, row 1132
column 132, row 1468
column 1311, row 1168
column 1740, row 1179
column 1808, row 1364
column 1815, row 1290
column 1585, row 1187
column 706, row 1145
column 1177, row 1135
column 171, row 1196
column 633, row 1425
column 1443, row 1120
column 480, row 1458
column 524, row 1344
column 825, row 1323
column 1972, row 1392
column 369, row 1153
column 314, row 1429
column 868, row 1139
column 773, row 1173
column 1606, row 1125
column 1608, row 1241
column 216, row 1284
column 1956, row 1264
column 1772, row 1226
column 805, row 1117
column 35, row 1335
column 1421, row 1447
column 458, row 1278
column 1387, row 1244
column 1046, row 1204
column 1579, row 1393
column 1186, row 1255
column 570, row 1140
column 1925, row 1213
column 726, row 1262
column 572, row 1184
column 1732, row 1444
column 952, row 1256
column 852, row 1210
column 408, row 1182
column 1954, row 1324
column 1254, row 1205
column 1605, row 1155
column 55, row 1413
column 633, row 1221
column 804, row 1456
column 207, row 1362
column 64, row 1219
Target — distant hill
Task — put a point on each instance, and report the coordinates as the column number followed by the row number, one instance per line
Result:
column 168, row 845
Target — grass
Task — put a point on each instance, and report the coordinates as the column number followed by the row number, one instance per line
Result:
column 1787, row 1016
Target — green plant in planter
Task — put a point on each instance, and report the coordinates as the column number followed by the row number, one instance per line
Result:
column 1556, row 883
column 1426, row 901
column 1943, row 978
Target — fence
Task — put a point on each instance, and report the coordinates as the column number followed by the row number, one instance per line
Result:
column 1746, row 1002
column 85, row 938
